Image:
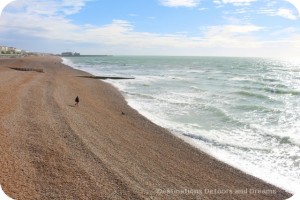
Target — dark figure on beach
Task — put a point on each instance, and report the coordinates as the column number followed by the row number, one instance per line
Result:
column 76, row 101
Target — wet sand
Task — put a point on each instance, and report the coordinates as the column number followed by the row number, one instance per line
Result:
column 102, row 149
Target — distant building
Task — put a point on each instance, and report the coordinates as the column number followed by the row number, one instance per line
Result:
column 19, row 51
column 10, row 50
column 3, row 48
column 67, row 54
column 70, row 54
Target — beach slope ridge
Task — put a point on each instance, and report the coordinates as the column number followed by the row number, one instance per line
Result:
column 100, row 149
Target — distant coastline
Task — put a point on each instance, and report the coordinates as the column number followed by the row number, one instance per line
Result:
column 84, row 55
column 76, row 54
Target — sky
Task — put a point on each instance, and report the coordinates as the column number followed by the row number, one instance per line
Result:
column 264, row 28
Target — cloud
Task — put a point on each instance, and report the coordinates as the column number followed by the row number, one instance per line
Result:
column 232, row 36
column 121, row 32
column 282, row 12
column 49, row 8
column 4, row 3
column 55, row 26
column 234, row 2
column 203, row 8
column 286, row 13
column 296, row 4
column 180, row 3
column 47, row 22
column 241, row 28
column 286, row 31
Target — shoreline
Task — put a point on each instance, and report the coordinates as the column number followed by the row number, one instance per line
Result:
column 127, row 156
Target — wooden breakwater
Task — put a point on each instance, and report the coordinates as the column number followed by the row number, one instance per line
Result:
column 105, row 77
column 27, row 69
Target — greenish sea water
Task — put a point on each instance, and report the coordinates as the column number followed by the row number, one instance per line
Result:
column 243, row 111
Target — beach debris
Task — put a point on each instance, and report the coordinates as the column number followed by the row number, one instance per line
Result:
column 106, row 77
column 27, row 69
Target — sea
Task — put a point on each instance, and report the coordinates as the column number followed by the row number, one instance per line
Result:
column 243, row 111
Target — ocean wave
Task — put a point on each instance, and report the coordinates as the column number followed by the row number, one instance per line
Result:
column 282, row 91
column 222, row 144
column 241, row 79
column 279, row 136
column 166, row 98
column 257, row 107
column 252, row 94
column 270, row 80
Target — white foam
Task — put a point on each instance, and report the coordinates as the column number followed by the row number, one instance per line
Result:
column 67, row 62
column 269, row 174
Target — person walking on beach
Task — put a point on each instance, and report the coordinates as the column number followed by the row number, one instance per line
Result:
column 76, row 101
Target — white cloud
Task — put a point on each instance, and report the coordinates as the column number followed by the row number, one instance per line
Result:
column 233, row 20
column 286, row 13
column 286, row 31
column 234, row 2
column 272, row 10
column 296, row 4
column 235, row 36
column 201, row 9
column 242, row 28
column 180, row 3
column 49, row 8
column 4, row 3
column 282, row 12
